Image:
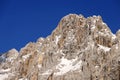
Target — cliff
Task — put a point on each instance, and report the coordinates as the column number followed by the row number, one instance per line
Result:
column 78, row 49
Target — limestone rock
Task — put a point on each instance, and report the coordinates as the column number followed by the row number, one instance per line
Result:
column 78, row 49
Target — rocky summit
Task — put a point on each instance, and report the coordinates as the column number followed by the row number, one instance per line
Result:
column 78, row 49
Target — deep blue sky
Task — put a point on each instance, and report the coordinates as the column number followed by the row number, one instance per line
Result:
column 22, row 21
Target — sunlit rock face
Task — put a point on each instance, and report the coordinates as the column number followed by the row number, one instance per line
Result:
column 78, row 49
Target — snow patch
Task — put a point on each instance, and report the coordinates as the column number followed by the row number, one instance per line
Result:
column 3, row 76
column 78, row 65
column 57, row 39
column 96, row 67
column 39, row 66
column 48, row 72
column 61, row 52
column 104, row 48
column 5, row 70
column 4, row 73
column 26, row 56
column 113, row 36
column 104, row 24
column 67, row 65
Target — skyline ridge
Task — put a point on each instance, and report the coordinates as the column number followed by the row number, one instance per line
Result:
column 26, row 20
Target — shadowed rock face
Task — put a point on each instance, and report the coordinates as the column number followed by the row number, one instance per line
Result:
column 78, row 49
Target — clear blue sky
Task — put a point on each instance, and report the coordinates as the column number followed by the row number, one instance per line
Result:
column 22, row 21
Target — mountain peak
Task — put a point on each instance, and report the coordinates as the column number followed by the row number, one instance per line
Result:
column 74, row 21
column 78, row 27
column 78, row 49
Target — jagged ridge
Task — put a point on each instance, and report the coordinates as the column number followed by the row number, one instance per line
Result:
column 78, row 49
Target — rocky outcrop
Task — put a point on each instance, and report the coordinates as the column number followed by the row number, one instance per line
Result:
column 9, row 58
column 78, row 49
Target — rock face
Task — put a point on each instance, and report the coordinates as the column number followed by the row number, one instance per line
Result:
column 78, row 49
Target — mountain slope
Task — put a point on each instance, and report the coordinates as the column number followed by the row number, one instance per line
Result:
column 78, row 49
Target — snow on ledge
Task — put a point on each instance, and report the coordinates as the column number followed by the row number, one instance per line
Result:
column 106, row 49
column 5, row 70
column 4, row 74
